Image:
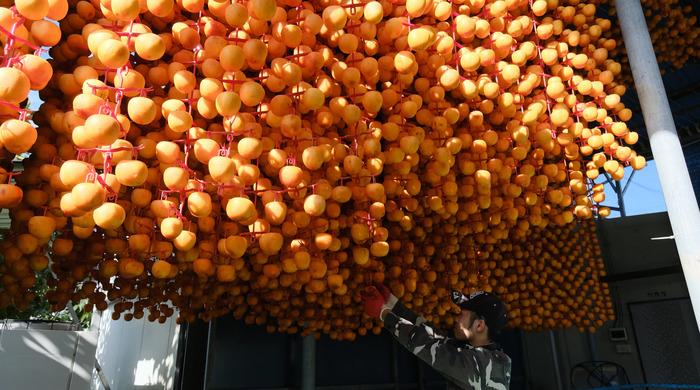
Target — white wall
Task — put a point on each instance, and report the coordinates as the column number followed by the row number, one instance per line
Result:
column 46, row 359
column 137, row 354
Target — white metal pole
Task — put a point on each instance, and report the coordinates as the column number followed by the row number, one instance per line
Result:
column 673, row 172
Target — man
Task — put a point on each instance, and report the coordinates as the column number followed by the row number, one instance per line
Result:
column 470, row 360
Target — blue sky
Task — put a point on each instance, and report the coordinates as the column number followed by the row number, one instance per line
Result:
column 643, row 194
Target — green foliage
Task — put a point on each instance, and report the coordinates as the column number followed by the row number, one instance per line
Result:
column 40, row 309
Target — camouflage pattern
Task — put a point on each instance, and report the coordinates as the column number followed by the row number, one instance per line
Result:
column 464, row 366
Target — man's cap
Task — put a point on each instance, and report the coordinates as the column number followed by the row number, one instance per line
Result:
column 486, row 305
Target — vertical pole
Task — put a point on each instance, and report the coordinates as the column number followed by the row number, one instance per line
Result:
column 181, row 356
column 308, row 363
column 555, row 359
column 74, row 316
column 673, row 172
column 618, row 192
column 591, row 347
column 395, row 364
column 526, row 360
column 421, row 375
column 96, row 321
column 209, row 355
column 620, row 199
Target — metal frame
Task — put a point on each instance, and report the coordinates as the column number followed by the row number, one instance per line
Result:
column 376, row 386
column 191, row 348
column 598, row 365
column 619, row 191
column 308, row 363
column 194, row 339
column 647, row 273
column 555, row 359
column 207, row 371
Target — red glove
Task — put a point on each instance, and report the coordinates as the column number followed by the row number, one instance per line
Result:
column 384, row 290
column 373, row 301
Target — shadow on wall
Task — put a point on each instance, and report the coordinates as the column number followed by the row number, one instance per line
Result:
column 68, row 348
column 137, row 353
column 64, row 359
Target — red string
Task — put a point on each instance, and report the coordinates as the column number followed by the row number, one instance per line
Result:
column 110, row 150
column 25, row 42
column 110, row 191
column 9, row 49
column 122, row 89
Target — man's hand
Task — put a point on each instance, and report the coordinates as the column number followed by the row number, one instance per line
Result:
column 373, row 301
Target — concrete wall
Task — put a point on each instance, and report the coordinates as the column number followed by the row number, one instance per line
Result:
column 133, row 355
column 628, row 246
column 46, row 359
column 540, row 361
column 137, row 354
column 573, row 347
column 242, row 357
column 640, row 290
column 648, row 266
